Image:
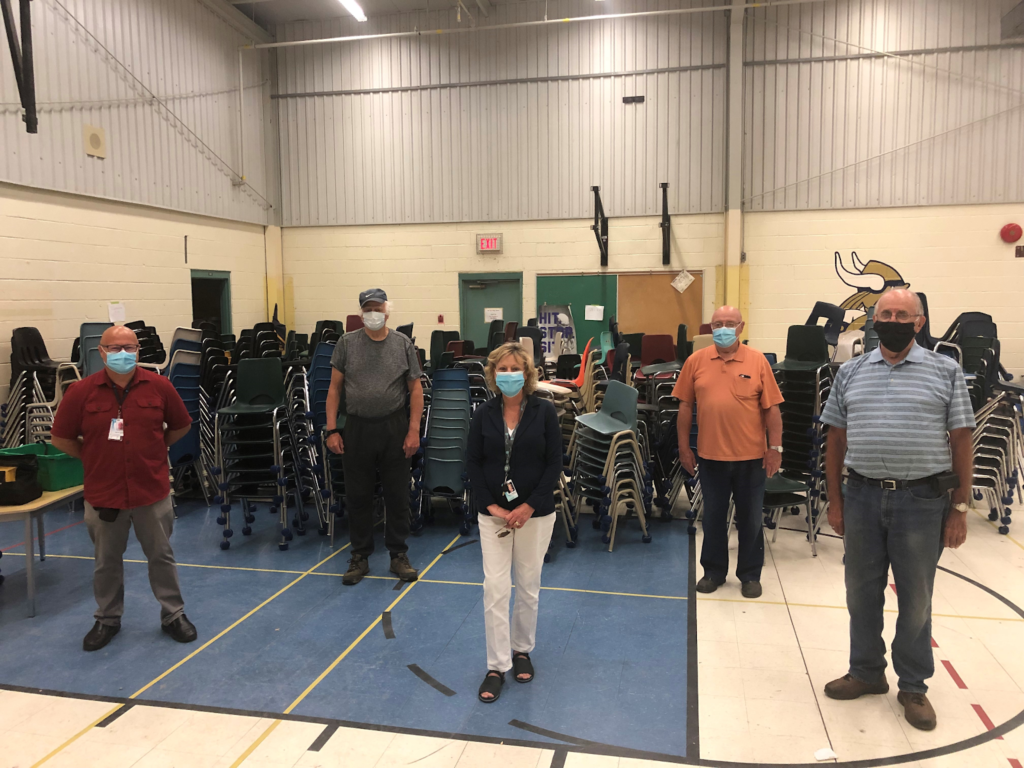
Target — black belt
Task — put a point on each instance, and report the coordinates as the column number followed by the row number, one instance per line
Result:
column 893, row 485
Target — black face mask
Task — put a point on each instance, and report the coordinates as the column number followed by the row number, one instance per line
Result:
column 895, row 336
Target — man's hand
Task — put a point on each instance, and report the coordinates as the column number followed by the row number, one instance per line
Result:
column 772, row 462
column 411, row 444
column 955, row 532
column 687, row 459
column 335, row 444
column 517, row 517
column 835, row 515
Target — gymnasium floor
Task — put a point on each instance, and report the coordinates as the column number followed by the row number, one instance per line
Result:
column 293, row 668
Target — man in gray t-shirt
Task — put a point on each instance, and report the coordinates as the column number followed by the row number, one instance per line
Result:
column 375, row 367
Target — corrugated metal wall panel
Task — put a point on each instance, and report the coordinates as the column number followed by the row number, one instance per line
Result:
column 503, row 125
column 831, row 124
column 94, row 63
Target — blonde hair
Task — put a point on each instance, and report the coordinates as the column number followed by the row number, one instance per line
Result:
column 519, row 351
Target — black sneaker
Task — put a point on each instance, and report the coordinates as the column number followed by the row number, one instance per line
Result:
column 181, row 629
column 99, row 636
column 401, row 567
column 751, row 589
column 358, row 566
column 708, row 584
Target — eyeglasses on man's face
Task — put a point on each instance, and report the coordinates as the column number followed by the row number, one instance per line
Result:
column 129, row 348
column 725, row 324
column 901, row 316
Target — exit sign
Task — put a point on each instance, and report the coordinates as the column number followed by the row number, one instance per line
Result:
column 488, row 243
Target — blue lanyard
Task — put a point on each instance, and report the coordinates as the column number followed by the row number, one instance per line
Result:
column 510, row 437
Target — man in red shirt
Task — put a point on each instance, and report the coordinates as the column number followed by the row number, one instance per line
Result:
column 120, row 422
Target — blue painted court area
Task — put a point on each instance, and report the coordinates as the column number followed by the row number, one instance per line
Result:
column 611, row 655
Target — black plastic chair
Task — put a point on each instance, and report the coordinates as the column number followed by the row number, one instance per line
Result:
column 497, row 328
column 924, row 336
column 835, row 320
column 405, row 330
column 806, row 349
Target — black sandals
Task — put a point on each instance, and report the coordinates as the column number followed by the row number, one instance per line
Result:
column 521, row 665
column 492, row 684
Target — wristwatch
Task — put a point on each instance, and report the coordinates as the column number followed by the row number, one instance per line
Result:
column 330, row 432
column 775, row 448
column 961, row 507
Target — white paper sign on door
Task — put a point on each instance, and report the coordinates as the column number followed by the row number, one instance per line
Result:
column 594, row 312
column 493, row 313
column 115, row 312
column 682, row 281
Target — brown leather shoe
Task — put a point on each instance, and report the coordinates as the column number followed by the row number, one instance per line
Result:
column 918, row 710
column 848, row 687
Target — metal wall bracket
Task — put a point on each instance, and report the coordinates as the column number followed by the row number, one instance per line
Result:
column 666, row 226
column 21, row 57
column 600, row 226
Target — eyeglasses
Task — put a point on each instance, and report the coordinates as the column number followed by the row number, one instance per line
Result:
column 887, row 315
column 130, row 348
column 726, row 324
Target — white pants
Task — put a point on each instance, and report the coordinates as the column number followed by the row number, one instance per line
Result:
column 523, row 549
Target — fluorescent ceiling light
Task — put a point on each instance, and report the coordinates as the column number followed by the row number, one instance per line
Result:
column 353, row 7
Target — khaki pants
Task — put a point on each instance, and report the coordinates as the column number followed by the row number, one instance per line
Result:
column 153, row 525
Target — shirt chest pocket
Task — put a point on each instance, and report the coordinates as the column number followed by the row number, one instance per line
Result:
column 149, row 412
column 746, row 387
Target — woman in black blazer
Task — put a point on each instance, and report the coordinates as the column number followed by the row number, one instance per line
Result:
column 514, row 459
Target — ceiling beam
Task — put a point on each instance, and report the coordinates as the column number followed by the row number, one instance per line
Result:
column 238, row 21
column 484, row 6
column 1012, row 24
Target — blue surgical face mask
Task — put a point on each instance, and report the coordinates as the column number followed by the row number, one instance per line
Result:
column 510, row 382
column 121, row 362
column 724, row 337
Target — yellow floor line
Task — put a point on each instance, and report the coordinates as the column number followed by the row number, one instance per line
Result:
column 192, row 655
column 337, row 661
column 617, row 594
column 984, row 517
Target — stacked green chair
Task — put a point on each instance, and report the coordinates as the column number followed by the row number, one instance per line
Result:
column 805, row 378
column 610, row 463
column 443, row 470
column 255, row 450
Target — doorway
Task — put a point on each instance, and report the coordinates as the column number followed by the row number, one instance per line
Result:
column 488, row 296
column 211, row 298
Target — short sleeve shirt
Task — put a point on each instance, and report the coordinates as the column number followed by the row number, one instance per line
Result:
column 731, row 398
column 897, row 417
column 131, row 472
column 377, row 373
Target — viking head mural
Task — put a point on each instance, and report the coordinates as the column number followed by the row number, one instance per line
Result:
column 870, row 280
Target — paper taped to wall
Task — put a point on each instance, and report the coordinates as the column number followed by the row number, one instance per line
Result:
column 493, row 313
column 682, row 281
column 115, row 312
column 594, row 312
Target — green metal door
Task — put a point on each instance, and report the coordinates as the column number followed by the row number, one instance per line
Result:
column 481, row 295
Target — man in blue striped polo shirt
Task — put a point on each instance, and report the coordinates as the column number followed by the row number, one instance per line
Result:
column 900, row 418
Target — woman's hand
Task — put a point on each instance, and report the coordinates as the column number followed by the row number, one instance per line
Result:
column 517, row 517
column 497, row 511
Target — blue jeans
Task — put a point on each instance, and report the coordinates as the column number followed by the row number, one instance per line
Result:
column 902, row 529
column 744, row 482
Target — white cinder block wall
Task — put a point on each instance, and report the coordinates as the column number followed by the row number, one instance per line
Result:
column 418, row 265
column 952, row 254
column 64, row 257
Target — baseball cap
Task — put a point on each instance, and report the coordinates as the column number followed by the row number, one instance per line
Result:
column 372, row 294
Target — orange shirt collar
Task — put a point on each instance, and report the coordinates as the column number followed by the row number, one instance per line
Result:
column 739, row 357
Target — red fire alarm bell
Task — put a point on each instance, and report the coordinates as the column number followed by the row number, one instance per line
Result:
column 1010, row 233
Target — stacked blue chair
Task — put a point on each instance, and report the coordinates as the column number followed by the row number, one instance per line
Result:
column 186, row 454
column 443, row 469
column 254, row 459
column 610, row 465
column 328, row 465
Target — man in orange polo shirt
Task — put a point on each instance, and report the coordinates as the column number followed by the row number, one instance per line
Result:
column 737, row 403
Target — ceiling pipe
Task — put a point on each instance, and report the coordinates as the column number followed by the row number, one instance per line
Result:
column 521, row 24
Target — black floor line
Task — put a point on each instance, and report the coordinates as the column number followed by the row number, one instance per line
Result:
column 323, row 738
column 385, row 622
column 558, row 760
column 550, row 734
column 692, row 687
column 460, row 546
column 398, row 585
column 113, row 716
column 426, row 678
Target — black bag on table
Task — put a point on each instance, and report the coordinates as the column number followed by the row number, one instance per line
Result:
column 26, row 486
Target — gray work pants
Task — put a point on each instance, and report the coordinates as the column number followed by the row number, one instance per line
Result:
column 153, row 525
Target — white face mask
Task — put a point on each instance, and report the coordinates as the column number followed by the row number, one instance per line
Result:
column 374, row 320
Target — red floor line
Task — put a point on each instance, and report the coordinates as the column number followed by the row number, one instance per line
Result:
column 893, row 587
column 985, row 718
column 1014, row 762
column 934, row 644
column 48, row 533
column 956, row 678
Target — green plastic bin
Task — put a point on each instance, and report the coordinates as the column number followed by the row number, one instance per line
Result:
column 57, row 470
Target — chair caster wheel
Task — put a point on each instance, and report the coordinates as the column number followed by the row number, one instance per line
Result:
column 464, row 529
column 977, row 495
column 273, row 510
column 228, row 533
column 252, row 507
column 221, row 520
column 645, row 539
column 225, row 544
column 247, row 531
column 322, row 531
column 283, row 546
column 250, row 519
column 570, row 545
column 1004, row 529
column 993, row 516
column 691, row 529
column 300, row 531
column 286, row 533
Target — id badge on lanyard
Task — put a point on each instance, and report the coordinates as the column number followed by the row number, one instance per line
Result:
column 508, row 487
column 117, row 425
